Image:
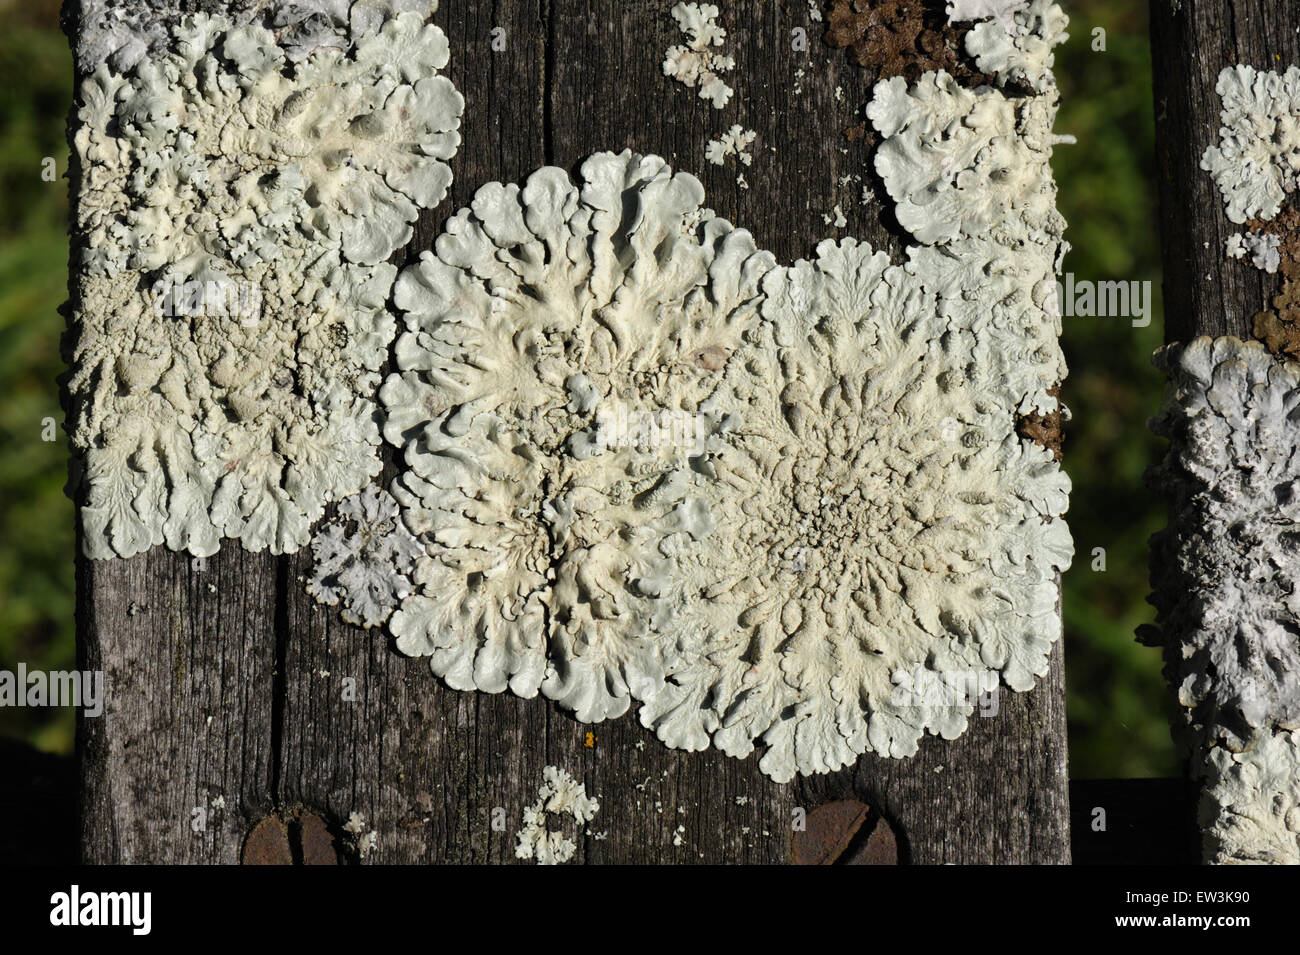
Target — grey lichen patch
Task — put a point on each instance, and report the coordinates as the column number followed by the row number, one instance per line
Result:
column 1256, row 161
column 1250, row 802
column 769, row 503
column 560, row 795
column 1232, row 481
column 229, row 317
column 365, row 558
column 1224, row 576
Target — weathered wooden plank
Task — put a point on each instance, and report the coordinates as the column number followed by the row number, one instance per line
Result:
column 426, row 766
column 189, row 661
column 1207, row 293
column 423, row 764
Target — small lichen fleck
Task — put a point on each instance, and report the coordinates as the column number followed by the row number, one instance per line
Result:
column 734, row 142
column 364, row 841
column 835, row 218
column 697, row 64
column 365, row 558
column 559, row 795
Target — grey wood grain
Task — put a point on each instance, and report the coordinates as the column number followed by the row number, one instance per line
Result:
column 426, row 766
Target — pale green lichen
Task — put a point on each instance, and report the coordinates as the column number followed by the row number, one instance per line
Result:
column 970, row 173
column 546, row 313
column 215, row 172
column 875, row 514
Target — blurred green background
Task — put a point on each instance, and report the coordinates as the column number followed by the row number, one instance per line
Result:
column 36, row 529
column 1118, row 703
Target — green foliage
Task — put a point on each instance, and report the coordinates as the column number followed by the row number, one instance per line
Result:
column 1118, row 702
column 36, row 518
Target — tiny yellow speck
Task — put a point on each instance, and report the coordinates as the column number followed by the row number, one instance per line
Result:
column 590, row 741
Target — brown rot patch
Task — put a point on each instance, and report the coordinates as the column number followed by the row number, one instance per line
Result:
column 901, row 38
column 1045, row 430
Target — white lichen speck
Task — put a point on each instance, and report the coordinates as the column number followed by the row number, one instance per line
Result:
column 696, row 63
column 560, row 795
column 364, row 840
column 734, row 142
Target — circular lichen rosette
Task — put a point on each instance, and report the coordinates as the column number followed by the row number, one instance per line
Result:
column 565, row 343
column 882, row 537
column 229, row 321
